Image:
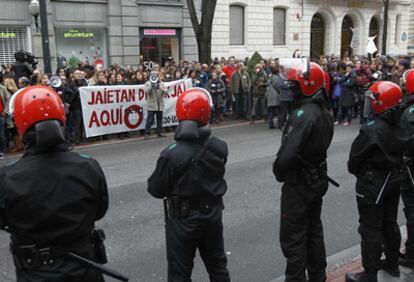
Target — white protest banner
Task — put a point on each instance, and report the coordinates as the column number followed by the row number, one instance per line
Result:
column 371, row 47
column 114, row 109
column 355, row 38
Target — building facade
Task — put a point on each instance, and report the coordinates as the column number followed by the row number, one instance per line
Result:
column 148, row 31
column 314, row 27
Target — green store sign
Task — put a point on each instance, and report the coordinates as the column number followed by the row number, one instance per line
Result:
column 8, row 35
column 74, row 33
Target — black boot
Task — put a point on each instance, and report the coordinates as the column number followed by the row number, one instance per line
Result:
column 359, row 277
column 391, row 268
column 403, row 260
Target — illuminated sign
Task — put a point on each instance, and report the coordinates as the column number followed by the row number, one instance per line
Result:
column 171, row 32
column 74, row 33
column 8, row 35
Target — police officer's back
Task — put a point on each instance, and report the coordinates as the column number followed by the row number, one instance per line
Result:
column 50, row 198
column 407, row 124
column 375, row 160
column 301, row 165
column 190, row 174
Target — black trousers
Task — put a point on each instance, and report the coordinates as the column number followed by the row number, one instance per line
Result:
column 150, row 121
column 271, row 111
column 78, row 127
column 284, row 111
column 408, row 200
column 301, row 232
column 378, row 222
column 202, row 231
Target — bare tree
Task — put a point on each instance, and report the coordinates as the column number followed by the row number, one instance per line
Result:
column 204, row 28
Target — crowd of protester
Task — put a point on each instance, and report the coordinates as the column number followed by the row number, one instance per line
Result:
column 236, row 92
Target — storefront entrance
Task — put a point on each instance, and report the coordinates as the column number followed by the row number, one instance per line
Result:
column 159, row 45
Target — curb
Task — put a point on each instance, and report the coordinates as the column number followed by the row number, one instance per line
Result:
column 349, row 260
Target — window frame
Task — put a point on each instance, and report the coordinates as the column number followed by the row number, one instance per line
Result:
column 243, row 25
column 284, row 9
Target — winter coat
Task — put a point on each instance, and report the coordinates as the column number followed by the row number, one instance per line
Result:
column 259, row 82
column 155, row 97
column 347, row 83
column 217, row 91
column 272, row 93
column 284, row 89
column 242, row 79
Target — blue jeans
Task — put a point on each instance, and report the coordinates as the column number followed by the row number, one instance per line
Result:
column 3, row 134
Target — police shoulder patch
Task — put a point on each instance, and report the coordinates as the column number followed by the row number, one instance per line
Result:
column 172, row 146
column 299, row 113
column 411, row 110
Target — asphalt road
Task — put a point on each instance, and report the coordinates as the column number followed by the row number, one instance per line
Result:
column 134, row 222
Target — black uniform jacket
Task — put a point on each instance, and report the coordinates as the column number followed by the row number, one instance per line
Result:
column 191, row 167
column 379, row 145
column 52, row 198
column 308, row 133
column 407, row 124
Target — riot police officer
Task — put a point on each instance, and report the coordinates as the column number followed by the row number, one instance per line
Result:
column 190, row 174
column 407, row 124
column 375, row 159
column 301, row 165
column 50, row 198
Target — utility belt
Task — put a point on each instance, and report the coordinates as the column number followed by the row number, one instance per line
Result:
column 179, row 207
column 33, row 256
column 314, row 175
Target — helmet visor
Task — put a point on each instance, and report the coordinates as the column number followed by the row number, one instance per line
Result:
column 286, row 65
column 369, row 97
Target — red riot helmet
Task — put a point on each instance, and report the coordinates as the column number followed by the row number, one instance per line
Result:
column 381, row 97
column 194, row 104
column 309, row 75
column 33, row 104
column 408, row 79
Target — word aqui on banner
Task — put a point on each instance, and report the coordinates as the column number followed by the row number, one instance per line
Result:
column 123, row 108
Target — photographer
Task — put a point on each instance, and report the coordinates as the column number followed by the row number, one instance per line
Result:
column 24, row 65
column 155, row 90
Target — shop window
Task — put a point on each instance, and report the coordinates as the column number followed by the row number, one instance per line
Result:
column 397, row 29
column 159, row 45
column 12, row 39
column 78, row 44
column 279, row 26
column 236, row 25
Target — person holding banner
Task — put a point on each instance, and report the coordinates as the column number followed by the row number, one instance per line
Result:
column 155, row 91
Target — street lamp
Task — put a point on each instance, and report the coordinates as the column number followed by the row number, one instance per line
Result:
column 34, row 9
column 39, row 9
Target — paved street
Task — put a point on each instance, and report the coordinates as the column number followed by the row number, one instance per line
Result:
column 134, row 222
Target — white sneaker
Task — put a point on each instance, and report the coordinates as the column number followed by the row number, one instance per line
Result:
column 347, row 123
column 337, row 122
column 2, row 156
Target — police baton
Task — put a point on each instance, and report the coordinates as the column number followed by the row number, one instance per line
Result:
column 410, row 174
column 383, row 188
column 309, row 165
column 99, row 267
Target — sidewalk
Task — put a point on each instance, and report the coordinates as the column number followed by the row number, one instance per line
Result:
column 349, row 260
column 338, row 275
